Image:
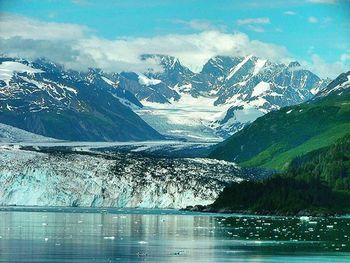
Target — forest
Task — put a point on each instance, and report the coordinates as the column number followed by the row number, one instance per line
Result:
column 317, row 183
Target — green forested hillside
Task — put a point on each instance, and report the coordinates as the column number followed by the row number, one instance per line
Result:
column 315, row 183
column 330, row 165
column 273, row 140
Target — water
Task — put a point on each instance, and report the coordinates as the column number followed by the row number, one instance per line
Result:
column 122, row 235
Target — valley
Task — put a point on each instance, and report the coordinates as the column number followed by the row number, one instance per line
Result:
column 175, row 131
column 187, row 117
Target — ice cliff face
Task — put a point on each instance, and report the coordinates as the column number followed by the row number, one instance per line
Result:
column 118, row 180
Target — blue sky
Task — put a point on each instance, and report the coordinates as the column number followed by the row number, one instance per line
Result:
column 311, row 31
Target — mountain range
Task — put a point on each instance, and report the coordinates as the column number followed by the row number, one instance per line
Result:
column 277, row 119
column 42, row 98
column 225, row 95
column 229, row 92
column 275, row 139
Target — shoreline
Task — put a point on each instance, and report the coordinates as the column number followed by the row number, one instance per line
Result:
column 188, row 211
column 303, row 213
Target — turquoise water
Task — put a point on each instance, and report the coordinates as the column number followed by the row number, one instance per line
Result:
column 132, row 235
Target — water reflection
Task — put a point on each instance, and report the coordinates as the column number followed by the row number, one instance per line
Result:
column 124, row 236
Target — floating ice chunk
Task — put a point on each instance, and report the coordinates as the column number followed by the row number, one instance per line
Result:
column 110, row 238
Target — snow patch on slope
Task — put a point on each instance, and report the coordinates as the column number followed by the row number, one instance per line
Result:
column 260, row 89
column 108, row 81
column 260, row 63
column 143, row 80
column 236, row 68
column 8, row 68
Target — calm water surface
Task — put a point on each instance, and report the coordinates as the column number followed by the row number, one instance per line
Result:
column 115, row 235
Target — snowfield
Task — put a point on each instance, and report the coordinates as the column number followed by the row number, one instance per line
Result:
column 8, row 68
column 197, row 119
column 33, row 178
column 188, row 117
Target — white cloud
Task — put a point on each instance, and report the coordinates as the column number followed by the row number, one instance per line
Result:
column 289, row 13
column 257, row 29
column 322, row 20
column 254, row 24
column 193, row 50
column 75, row 46
column 313, row 20
column 322, row 1
column 197, row 24
column 19, row 26
column 345, row 57
column 249, row 21
column 324, row 69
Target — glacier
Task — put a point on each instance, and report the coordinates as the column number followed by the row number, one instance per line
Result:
column 51, row 177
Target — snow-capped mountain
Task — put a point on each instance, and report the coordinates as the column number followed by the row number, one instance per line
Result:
column 228, row 93
column 339, row 86
column 41, row 97
column 118, row 180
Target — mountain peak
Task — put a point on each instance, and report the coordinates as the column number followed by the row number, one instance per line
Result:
column 95, row 71
column 337, row 86
column 294, row 64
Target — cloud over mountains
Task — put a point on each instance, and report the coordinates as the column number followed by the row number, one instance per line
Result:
column 78, row 46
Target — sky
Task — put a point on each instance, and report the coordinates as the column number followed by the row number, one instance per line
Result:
column 113, row 34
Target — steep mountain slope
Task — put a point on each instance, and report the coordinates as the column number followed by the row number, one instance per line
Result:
column 117, row 180
column 9, row 134
column 227, row 94
column 42, row 98
column 329, row 164
column 273, row 140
